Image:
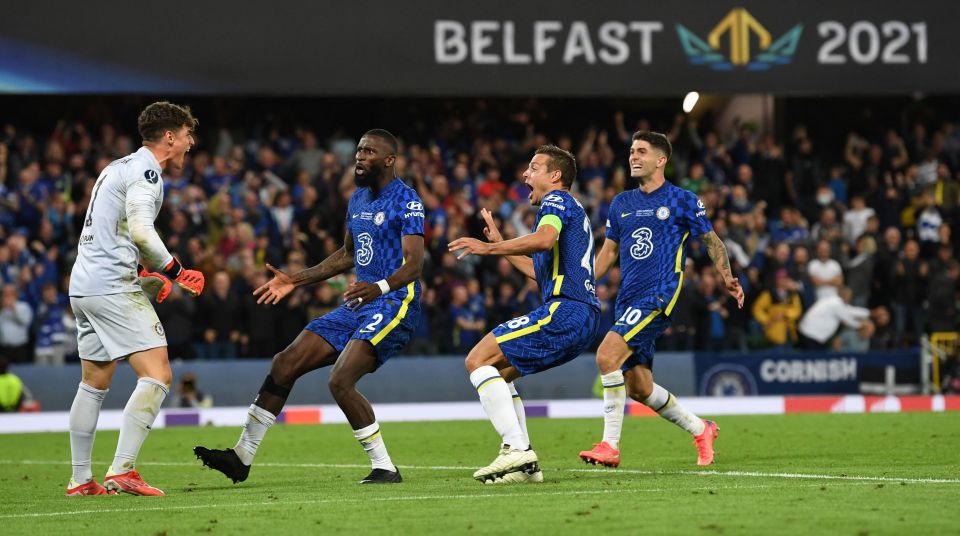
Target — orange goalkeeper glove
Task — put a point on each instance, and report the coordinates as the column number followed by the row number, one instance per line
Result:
column 189, row 280
column 154, row 283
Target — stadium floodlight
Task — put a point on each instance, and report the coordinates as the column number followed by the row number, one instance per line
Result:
column 690, row 101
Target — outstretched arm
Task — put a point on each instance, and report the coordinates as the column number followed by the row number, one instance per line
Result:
column 283, row 284
column 718, row 254
column 338, row 262
column 541, row 240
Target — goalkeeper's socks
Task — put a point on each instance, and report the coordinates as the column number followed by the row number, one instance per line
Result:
column 258, row 422
column 83, row 429
column 138, row 417
column 666, row 405
column 372, row 442
column 614, row 400
column 520, row 411
column 498, row 404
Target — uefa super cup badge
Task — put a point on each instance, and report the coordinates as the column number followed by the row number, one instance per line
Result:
column 663, row 213
column 378, row 218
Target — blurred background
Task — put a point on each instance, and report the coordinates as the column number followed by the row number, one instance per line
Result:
column 823, row 142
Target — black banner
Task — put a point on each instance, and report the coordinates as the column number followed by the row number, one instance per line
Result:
column 494, row 47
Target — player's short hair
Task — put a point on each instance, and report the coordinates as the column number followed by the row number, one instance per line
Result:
column 560, row 159
column 162, row 116
column 656, row 140
column 385, row 136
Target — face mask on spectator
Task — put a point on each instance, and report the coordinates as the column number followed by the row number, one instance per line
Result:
column 825, row 199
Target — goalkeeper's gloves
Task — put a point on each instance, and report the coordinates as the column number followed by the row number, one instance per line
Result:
column 190, row 280
column 154, row 284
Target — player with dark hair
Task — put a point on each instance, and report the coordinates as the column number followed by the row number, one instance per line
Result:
column 384, row 241
column 560, row 330
column 115, row 319
column 654, row 222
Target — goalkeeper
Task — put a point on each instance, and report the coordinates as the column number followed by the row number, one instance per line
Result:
column 115, row 319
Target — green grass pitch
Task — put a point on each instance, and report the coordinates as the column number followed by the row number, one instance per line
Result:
column 794, row 474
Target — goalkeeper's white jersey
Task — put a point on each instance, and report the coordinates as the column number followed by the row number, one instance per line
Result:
column 123, row 205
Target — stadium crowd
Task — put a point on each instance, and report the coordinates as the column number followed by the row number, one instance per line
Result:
column 864, row 230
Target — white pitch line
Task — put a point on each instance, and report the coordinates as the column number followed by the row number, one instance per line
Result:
column 365, row 500
column 753, row 474
column 777, row 475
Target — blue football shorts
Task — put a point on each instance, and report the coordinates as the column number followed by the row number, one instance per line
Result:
column 640, row 328
column 548, row 336
column 388, row 323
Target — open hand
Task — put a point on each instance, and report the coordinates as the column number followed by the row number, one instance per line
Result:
column 490, row 231
column 276, row 289
column 734, row 290
column 469, row 246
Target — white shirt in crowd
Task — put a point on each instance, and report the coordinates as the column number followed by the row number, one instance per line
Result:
column 827, row 269
column 855, row 223
column 823, row 319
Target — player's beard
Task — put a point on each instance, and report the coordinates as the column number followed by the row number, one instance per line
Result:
column 371, row 173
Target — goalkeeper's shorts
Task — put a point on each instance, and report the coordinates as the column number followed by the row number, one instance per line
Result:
column 386, row 322
column 548, row 336
column 114, row 326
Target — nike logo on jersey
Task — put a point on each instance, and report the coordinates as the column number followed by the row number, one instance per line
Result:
column 625, row 214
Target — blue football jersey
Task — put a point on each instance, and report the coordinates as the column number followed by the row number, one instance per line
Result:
column 566, row 270
column 378, row 225
column 652, row 230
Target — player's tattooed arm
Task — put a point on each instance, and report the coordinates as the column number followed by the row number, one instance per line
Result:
column 338, row 262
column 282, row 284
column 606, row 257
column 718, row 254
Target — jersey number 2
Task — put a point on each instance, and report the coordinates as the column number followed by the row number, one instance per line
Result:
column 587, row 260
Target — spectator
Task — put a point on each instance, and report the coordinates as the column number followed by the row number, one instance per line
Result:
column 14, row 395
column 855, row 219
column 50, row 347
column 909, row 290
column 855, row 340
column 821, row 322
column 177, row 316
column 883, row 335
column 859, row 270
column 258, row 338
column 928, row 226
column 710, row 311
column 15, row 318
column 778, row 311
column 825, row 273
column 189, row 395
column 885, row 261
column 942, row 299
column 219, row 318
column 829, row 229
column 468, row 321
